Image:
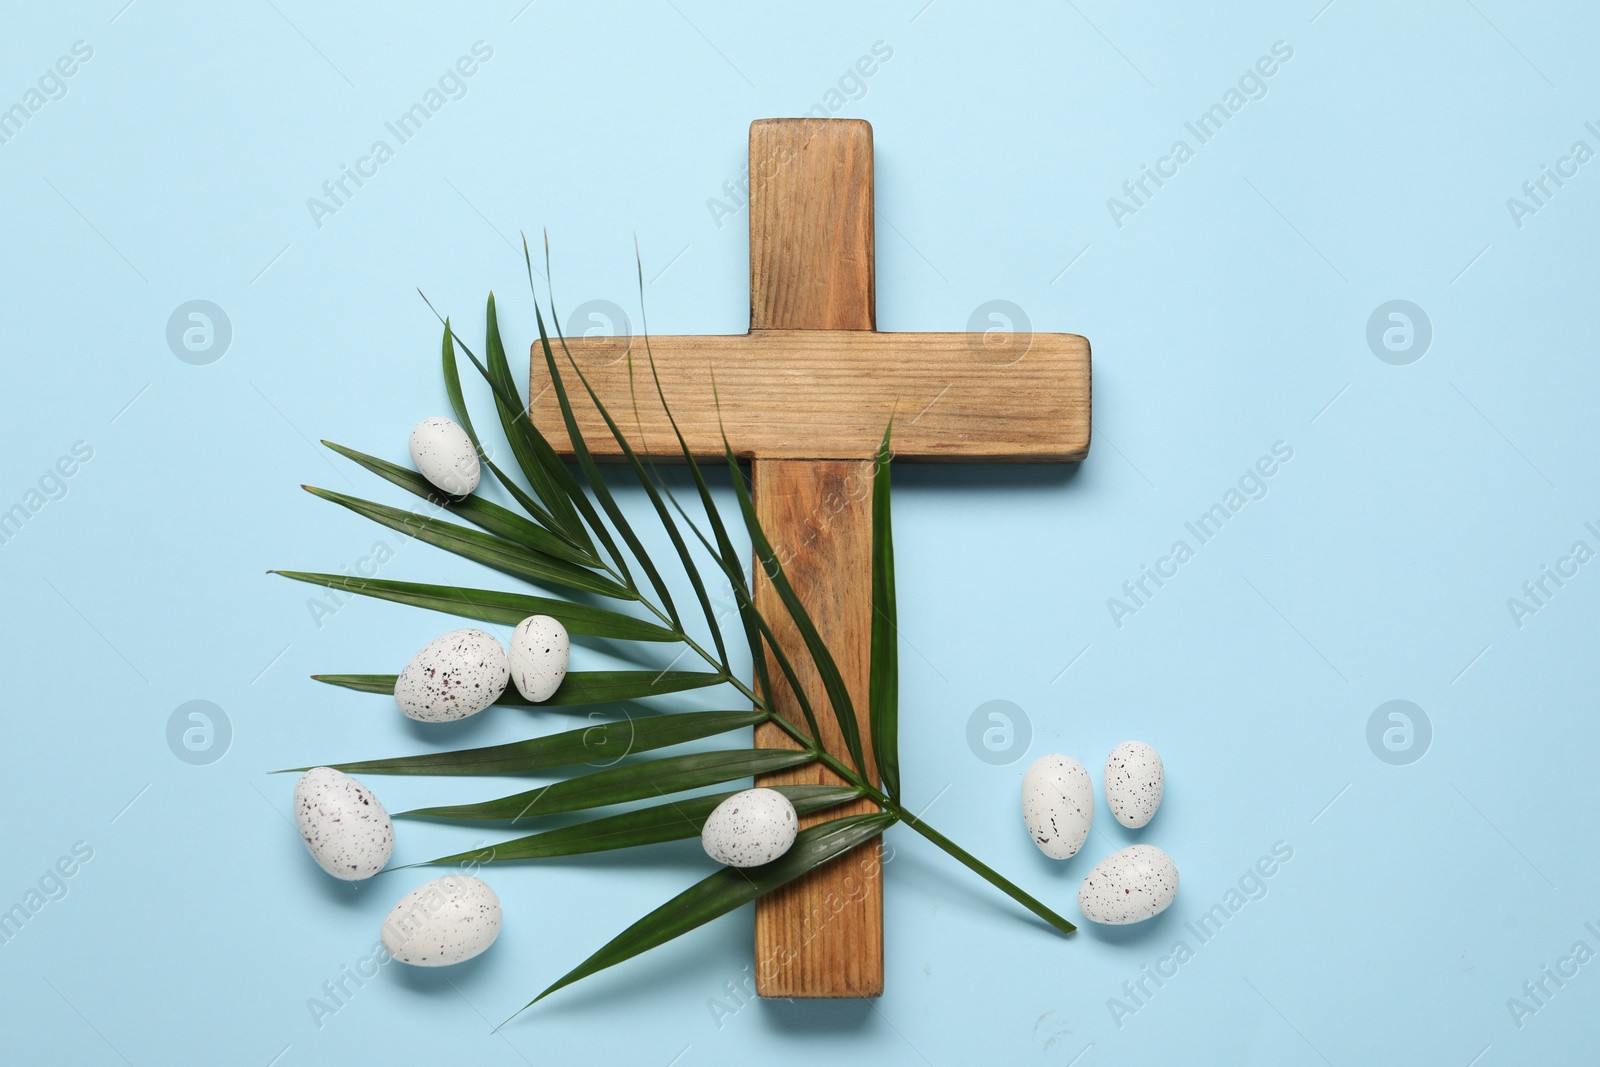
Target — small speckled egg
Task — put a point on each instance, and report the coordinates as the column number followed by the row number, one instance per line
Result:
column 453, row 676
column 750, row 828
column 444, row 456
column 345, row 827
column 539, row 651
column 1134, row 781
column 1129, row 886
column 445, row 921
column 1058, row 805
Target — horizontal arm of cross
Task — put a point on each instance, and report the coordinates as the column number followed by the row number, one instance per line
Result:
column 827, row 394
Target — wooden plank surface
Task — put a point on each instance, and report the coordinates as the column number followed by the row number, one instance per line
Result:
column 811, row 236
column 811, row 269
column 810, row 394
column 821, row 936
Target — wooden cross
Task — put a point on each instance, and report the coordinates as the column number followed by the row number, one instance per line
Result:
column 805, row 396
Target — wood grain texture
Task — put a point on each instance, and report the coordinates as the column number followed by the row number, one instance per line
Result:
column 811, row 243
column 821, row 936
column 809, row 394
column 811, row 269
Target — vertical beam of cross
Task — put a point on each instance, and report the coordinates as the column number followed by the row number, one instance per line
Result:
column 811, row 268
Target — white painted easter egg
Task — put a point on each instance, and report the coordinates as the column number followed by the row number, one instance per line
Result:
column 1134, row 781
column 453, row 676
column 1129, row 886
column 345, row 827
column 444, row 456
column 1058, row 805
column 750, row 828
column 539, row 651
column 445, row 921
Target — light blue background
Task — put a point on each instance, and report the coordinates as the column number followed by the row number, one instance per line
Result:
column 1227, row 314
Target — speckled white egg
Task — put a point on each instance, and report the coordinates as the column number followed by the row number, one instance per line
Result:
column 1058, row 805
column 1129, row 886
column 345, row 827
column 1134, row 781
column 445, row 921
column 750, row 828
column 453, row 676
column 539, row 651
column 444, row 455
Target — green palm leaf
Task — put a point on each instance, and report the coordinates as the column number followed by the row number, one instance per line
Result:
column 755, row 625
column 484, row 514
column 758, row 630
column 492, row 605
column 597, row 482
column 578, row 689
column 723, row 552
column 832, row 681
column 571, row 531
column 671, row 821
column 534, row 455
column 545, row 466
column 883, row 688
column 516, row 560
column 649, row 486
column 617, row 785
column 606, row 742
column 726, row 890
